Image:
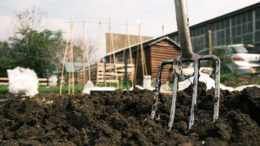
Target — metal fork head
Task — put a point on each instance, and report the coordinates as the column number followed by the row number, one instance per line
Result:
column 186, row 55
column 178, row 61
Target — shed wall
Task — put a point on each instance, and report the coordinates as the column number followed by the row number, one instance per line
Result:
column 159, row 52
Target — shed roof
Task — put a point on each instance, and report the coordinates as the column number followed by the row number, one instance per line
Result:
column 145, row 44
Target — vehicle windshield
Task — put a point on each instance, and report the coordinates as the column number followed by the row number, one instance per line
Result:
column 246, row 49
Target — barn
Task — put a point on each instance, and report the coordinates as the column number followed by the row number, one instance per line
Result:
column 237, row 27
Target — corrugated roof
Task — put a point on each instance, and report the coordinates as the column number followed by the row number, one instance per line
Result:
column 222, row 17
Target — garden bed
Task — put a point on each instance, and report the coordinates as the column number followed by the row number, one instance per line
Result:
column 123, row 118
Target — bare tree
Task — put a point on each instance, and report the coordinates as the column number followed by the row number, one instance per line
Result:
column 92, row 50
column 30, row 19
column 37, row 43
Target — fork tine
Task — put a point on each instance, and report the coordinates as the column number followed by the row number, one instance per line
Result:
column 217, row 91
column 174, row 98
column 217, row 84
column 158, row 85
column 195, row 90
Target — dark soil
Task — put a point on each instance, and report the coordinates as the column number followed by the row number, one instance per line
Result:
column 123, row 118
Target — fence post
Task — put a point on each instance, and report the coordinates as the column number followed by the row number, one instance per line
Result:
column 47, row 81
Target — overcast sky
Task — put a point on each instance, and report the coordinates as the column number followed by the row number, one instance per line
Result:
column 152, row 13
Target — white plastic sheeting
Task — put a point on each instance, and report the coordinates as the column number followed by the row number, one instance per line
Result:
column 210, row 83
column 190, row 71
column 89, row 86
column 205, row 78
column 23, row 80
column 87, row 91
column 240, row 88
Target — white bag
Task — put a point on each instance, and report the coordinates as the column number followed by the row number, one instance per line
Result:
column 23, row 80
column 89, row 86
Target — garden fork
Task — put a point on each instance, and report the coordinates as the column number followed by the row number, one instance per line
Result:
column 187, row 55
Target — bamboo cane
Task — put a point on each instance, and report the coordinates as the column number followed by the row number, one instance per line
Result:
column 104, row 72
column 83, row 49
column 99, row 38
column 136, row 64
column 130, row 52
column 110, row 47
column 103, row 22
column 110, row 69
column 71, row 83
column 144, row 69
column 139, row 33
column 72, row 64
column 73, row 78
column 69, row 80
column 114, row 56
column 64, row 60
column 123, row 59
column 88, row 60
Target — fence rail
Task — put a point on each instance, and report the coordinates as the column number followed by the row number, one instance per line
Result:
column 3, row 81
column 42, row 81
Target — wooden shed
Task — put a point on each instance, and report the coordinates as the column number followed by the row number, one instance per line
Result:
column 155, row 51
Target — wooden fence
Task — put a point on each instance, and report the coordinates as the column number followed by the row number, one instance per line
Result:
column 42, row 81
column 46, row 82
column 4, row 81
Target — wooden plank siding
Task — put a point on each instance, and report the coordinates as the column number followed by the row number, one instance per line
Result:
column 154, row 55
column 159, row 52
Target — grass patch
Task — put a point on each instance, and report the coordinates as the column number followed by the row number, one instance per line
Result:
column 56, row 89
column 227, row 77
column 51, row 89
column 3, row 89
column 234, row 80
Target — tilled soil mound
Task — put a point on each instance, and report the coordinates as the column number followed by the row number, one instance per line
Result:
column 123, row 118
